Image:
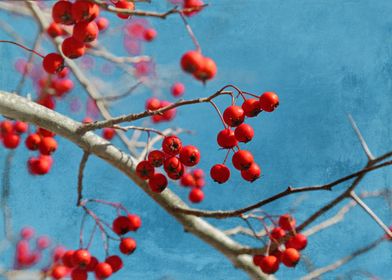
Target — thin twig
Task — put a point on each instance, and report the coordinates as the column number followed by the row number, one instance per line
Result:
column 364, row 145
column 82, row 165
column 6, row 189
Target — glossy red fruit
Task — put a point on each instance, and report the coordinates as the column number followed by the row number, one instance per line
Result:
column 207, row 70
column 11, row 140
column 145, row 169
column 63, row 73
column 103, row 270
column 157, row 183
column 200, row 183
column 298, row 241
column 189, row 155
column 84, row 10
column 134, row 222
column 62, row 13
column 92, row 264
column 257, row 259
column 226, row 139
column 269, row 101
column 45, row 133
column 233, row 116
column 121, row 225
column 124, row 4
column 58, row 253
column 177, row 173
column 62, row 86
column 115, row 262
column 242, row 159
column 193, row 6
column 149, row 34
column 251, row 107
column 47, row 101
column 192, row 61
column 79, row 274
column 20, row 127
column 156, row 158
column 269, row 264
column 39, row 165
column 6, row 126
column 171, row 145
column 108, row 133
column 277, row 233
column 85, row 32
column 67, row 258
column 102, row 23
column 220, row 173
column 72, row 48
column 153, row 104
column 196, row 195
column 290, row 257
column 169, row 114
column 81, row 258
column 59, row 271
column 177, row 89
column 277, row 253
column 198, row 173
column 187, row 180
column 244, row 133
column 287, row 222
column 127, row 246
column 252, row 173
column 47, row 146
column 53, row 63
column 172, row 164
column 54, row 30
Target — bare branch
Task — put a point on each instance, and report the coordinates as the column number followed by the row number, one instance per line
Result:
column 82, row 165
column 364, row 145
column 5, row 193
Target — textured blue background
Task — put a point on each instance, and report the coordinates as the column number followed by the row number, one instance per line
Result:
column 325, row 59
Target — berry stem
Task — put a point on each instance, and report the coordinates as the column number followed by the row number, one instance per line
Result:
column 218, row 111
column 227, row 155
column 23, row 47
column 251, row 94
column 190, row 32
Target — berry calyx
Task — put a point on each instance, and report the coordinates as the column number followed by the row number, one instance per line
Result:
column 156, row 158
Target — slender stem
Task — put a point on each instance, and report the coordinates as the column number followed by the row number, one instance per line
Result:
column 190, row 32
column 219, row 113
column 80, row 177
column 23, row 47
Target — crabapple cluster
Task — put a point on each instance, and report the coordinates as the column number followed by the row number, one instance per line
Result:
column 199, row 66
column 194, row 180
column 235, row 131
column 153, row 104
column 41, row 140
column 287, row 253
column 174, row 158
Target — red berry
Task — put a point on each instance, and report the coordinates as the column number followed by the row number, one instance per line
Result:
column 244, row 133
column 20, row 127
column 269, row 264
column 171, row 145
column 59, row 271
column 177, row 89
column 39, row 165
column 62, row 86
column 67, row 258
column 26, row 233
column 134, row 222
column 92, row 264
column 189, row 156
column 252, row 173
column 195, row 5
column 108, row 133
column 84, row 10
column 298, row 241
column 43, row 242
column 242, row 159
column 11, row 140
column 115, row 262
column 157, row 183
column 47, row 146
column 6, row 127
column 45, row 133
column 124, row 4
column 198, row 173
column 81, row 258
column 172, row 164
column 121, row 225
column 103, row 270
column 220, row 173
column 200, row 183
column 207, row 71
column 102, row 23
column 251, row 107
column 192, row 61
column 177, row 173
column 169, row 114
column 127, row 246
column 79, row 274
column 53, row 62
column 226, row 139
column 145, row 169
column 72, row 48
column 149, row 34
column 277, row 233
column 85, row 32
column 287, row 222
column 196, row 195
column 153, row 104
column 54, row 30
column 187, row 180
column 47, row 101
column 63, row 73
column 58, row 253
column 290, row 257
column 233, row 116
column 257, row 259
column 156, row 158
column 62, row 13
column 269, row 101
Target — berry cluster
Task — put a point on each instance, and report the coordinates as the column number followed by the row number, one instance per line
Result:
column 153, row 104
column 201, row 67
column 288, row 254
column 194, row 180
column 234, row 117
column 42, row 140
column 173, row 157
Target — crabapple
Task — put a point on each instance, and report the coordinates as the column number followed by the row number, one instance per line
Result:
column 196, row 195
column 144, row 169
column 290, row 257
column 189, row 155
column 157, row 183
column 244, row 133
column 242, row 159
column 269, row 101
column 220, row 173
column 127, row 245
